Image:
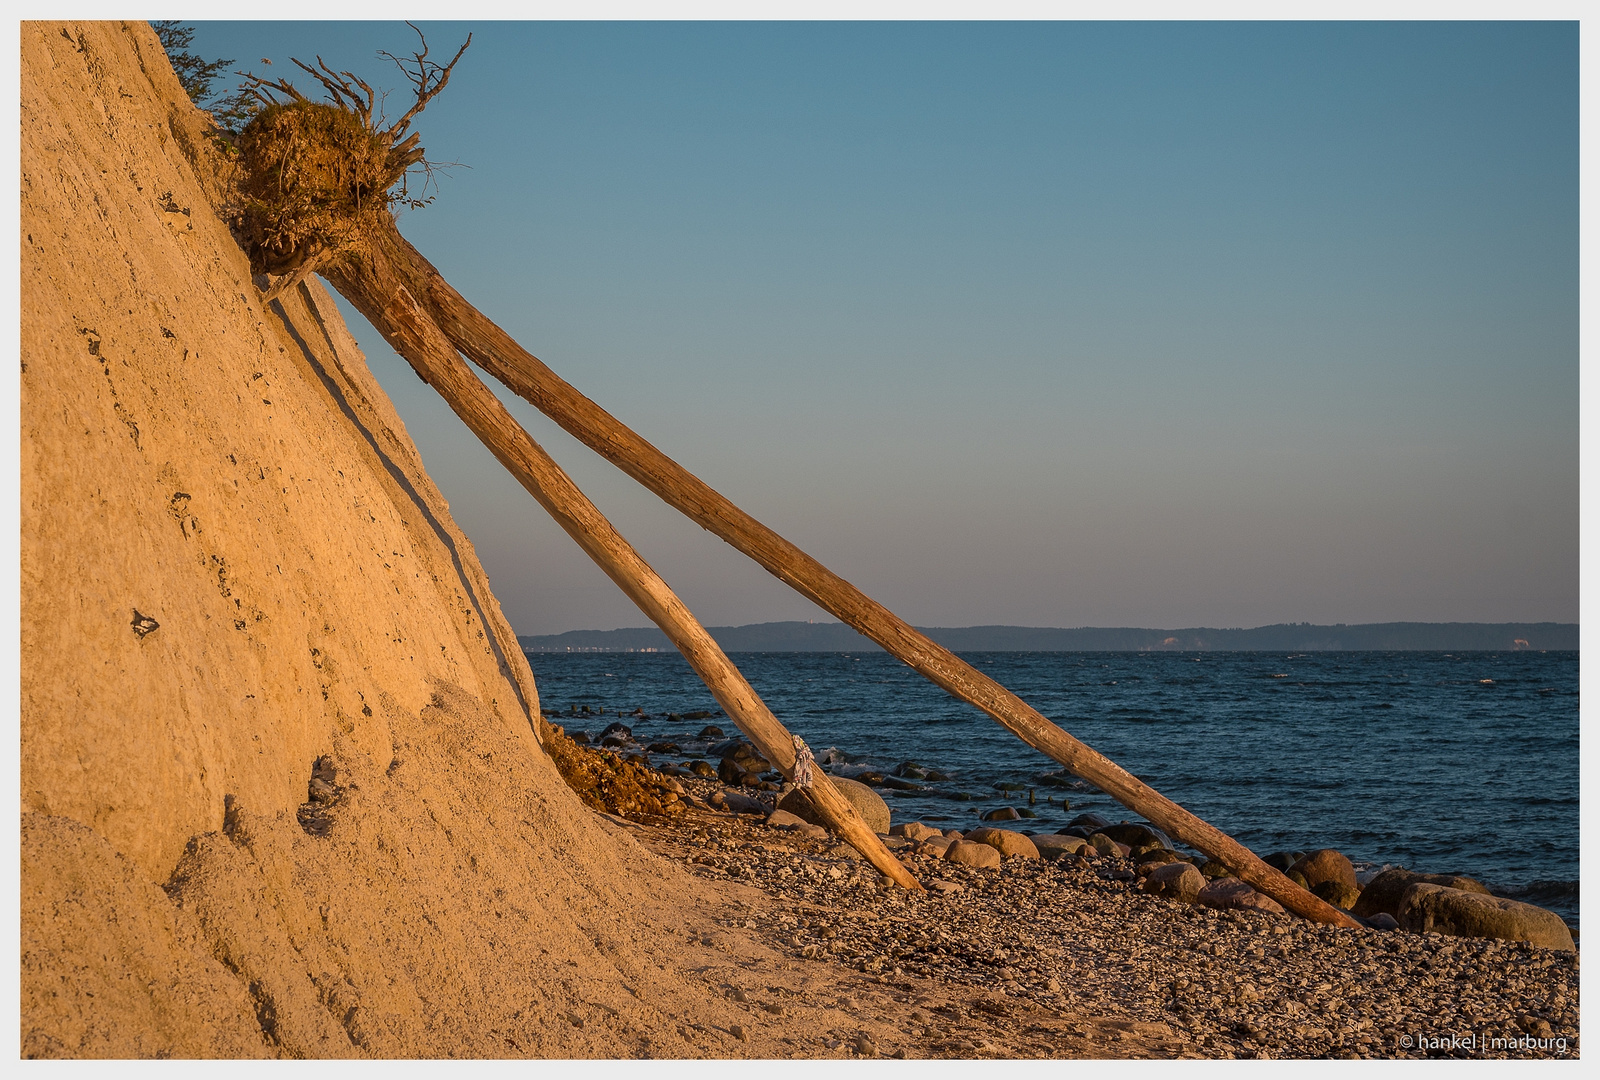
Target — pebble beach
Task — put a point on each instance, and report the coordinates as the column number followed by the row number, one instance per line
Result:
column 1071, row 957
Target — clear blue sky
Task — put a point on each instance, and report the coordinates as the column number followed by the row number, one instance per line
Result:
column 1048, row 324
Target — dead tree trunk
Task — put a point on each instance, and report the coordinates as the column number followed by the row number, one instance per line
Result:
column 496, row 352
column 369, row 283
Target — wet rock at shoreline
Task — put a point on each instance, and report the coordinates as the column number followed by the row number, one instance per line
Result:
column 1137, row 837
column 1002, row 813
column 1327, row 865
column 1427, row 908
column 1383, row 893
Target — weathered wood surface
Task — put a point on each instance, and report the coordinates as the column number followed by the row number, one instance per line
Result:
column 409, row 329
column 497, row 353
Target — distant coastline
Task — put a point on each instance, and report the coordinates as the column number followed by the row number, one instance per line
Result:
column 1281, row 637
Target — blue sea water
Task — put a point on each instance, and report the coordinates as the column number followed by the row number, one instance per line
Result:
column 1444, row 763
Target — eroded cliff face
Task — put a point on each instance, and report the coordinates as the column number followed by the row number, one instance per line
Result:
column 234, row 565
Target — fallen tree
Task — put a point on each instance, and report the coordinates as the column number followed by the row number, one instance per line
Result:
column 327, row 207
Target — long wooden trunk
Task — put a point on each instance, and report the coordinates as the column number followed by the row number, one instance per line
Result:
column 368, row 283
column 497, row 353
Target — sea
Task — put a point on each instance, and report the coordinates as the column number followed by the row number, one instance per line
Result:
column 1442, row 763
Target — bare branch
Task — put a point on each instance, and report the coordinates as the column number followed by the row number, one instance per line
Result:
column 265, row 91
column 427, row 79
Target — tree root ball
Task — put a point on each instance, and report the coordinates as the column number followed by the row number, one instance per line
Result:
column 315, row 181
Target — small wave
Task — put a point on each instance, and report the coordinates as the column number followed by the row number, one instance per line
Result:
column 1543, row 892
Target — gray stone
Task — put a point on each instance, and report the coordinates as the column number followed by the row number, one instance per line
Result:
column 743, row 804
column 1427, row 908
column 868, row 803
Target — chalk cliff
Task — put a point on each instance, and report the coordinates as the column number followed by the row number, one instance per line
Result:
column 235, row 574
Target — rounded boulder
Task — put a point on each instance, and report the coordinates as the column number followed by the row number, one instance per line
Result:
column 1179, row 881
column 1233, row 894
column 970, row 853
column 1006, row 842
column 1437, row 909
column 868, row 803
column 1325, row 865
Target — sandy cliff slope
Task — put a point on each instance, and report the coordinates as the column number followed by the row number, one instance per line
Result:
column 234, row 565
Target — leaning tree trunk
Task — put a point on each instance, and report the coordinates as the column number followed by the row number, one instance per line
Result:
column 368, row 282
column 494, row 350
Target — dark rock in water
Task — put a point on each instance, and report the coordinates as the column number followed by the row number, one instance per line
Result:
column 710, row 733
column 1054, row 779
column 1092, row 822
column 1010, row 787
column 663, row 748
column 1082, row 831
column 1437, row 909
column 622, row 730
column 910, row 770
column 1025, row 812
column 616, row 740
column 1002, row 813
column 1383, row 893
column 579, row 737
column 700, row 768
column 701, row 715
column 1138, row 837
column 1327, row 865
column 934, row 776
column 1280, row 860
column 894, row 784
column 874, row 778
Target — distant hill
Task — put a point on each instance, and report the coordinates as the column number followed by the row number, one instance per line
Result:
column 1282, row 637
